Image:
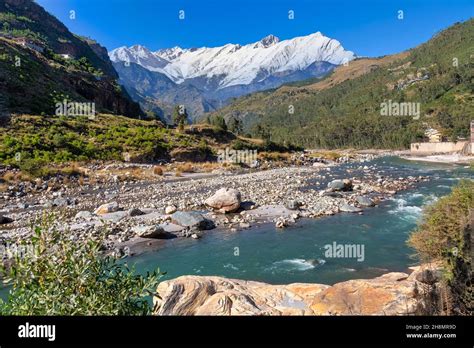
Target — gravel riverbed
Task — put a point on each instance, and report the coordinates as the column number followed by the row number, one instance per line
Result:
column 141, row 212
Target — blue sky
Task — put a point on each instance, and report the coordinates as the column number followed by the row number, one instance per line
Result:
column 367, row 27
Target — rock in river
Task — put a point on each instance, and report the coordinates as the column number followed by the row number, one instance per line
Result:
column 349, row 209
column 364, row 201
column 154, row 231
column 225, row 200
column 192, row 219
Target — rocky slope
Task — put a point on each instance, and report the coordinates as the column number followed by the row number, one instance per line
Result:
column 33, row 79
column 393, row 293
column 29, row 19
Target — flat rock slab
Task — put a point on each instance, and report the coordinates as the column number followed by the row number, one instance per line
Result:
column 349, row 209
column 270, row 211
column 192, row 219
column 194, row 295
column 393, row 293
column 149, row 217
column 114, row 217
column 171, row 228
column 153, row 231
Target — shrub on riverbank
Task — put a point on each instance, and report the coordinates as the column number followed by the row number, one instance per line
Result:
column 444, row 235
column 55, row 275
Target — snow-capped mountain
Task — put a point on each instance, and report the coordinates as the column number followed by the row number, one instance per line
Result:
column 231, row 70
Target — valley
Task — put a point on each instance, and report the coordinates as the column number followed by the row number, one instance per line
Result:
column 222, row 173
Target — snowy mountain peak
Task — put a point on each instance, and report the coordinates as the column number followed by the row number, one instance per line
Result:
column 139, row 55
column 233, row 64
column 169, row 53
column 268, row 41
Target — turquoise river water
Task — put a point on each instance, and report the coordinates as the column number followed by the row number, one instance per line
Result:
column 297, row 253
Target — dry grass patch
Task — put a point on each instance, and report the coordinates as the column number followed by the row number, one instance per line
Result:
column 157, row 170
column 274, row 156
column 15, row 177
column 185, row 167
column 329, row 155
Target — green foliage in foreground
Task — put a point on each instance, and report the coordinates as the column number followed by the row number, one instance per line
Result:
column 59, row 276
column 444, row 236
column 443, row 224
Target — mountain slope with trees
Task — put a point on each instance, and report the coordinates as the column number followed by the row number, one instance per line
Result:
column 347, row 112
column 42, row 63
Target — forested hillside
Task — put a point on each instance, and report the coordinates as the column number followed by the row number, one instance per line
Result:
column 43, row 63
column 346, row 112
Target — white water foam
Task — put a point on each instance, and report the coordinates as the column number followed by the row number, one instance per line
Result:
column 231, row 266
column 410, row 212
column 416, row 195
column 296, row 264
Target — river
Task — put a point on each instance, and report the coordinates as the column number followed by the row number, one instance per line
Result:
column 297, row 253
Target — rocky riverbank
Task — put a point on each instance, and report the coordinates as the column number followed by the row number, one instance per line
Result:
column 395, row 293
column 138, row 212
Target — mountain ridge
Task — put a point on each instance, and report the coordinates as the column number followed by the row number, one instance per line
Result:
column 343, row 110
column 180, row 64
column 231, row 70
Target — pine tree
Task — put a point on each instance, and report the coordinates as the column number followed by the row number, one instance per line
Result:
column 180, row 116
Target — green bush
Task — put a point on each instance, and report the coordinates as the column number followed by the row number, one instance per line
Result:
column 59, row 276
column 444, row 236
column 33, row 167
column 441, row 230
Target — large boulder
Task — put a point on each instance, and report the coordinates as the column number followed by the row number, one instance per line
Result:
column 292, row 204
column 5, row 220
column 192, row 219
column 107, row 208
column 390, row 294
column 170, row 209
column 364, row 201
column 349, row 209
column 340, row 185
column 195, row 295
column 225, row 200
column 154, row 231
